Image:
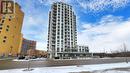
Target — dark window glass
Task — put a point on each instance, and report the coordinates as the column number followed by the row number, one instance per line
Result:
column 7, row 26
column 4, row 41
column 2, row 21
column 9, row 19
column 1, row 24
column 7, row 29
column 57, row 49
column 5, row 37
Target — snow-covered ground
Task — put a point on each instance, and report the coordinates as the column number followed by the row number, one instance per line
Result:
column 67, row 69
column 112, row 71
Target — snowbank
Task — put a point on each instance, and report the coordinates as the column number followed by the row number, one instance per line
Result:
column 112, row 71
column 67, row 69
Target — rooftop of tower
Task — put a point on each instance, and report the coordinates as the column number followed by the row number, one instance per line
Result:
column 61, row 3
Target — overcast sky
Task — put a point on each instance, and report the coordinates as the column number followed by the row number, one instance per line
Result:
column 103, row 25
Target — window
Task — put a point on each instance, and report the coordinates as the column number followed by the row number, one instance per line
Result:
column 57, row 36
column 5, row 37
column 3, row 17
column 57, row 49
column 7, row 29
column 11, row 47
column 2, row 21
column 80, row 50
column 1, row 24
column 58, row 41
column 7, row 26
column 61, row 49
column 9, row 19
column 4, row 41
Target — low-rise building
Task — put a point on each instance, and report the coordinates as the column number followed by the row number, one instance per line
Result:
column 82, row 49
column 37, row 53
column 26, row 45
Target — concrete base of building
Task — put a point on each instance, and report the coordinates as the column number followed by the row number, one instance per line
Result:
column 70, row 55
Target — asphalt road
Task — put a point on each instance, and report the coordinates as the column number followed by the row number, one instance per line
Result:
column 8, row 64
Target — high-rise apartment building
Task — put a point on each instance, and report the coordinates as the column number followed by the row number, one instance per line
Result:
column 62, row 33
column 10, row 32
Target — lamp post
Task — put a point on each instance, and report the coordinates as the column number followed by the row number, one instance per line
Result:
column 10, row 53
column 125, row 53
column 28, row 65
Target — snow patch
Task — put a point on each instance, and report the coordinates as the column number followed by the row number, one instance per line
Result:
column 67, row 69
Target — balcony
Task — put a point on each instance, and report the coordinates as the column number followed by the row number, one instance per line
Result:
column 53, row 30
column 53, row 25
column 53, row 34
column 54, row 20
column 55, row 6
column 54, row 16
column 54, row 11
column 53, row 38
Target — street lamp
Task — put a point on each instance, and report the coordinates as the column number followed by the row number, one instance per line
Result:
column 125, row 53
column 10, row 53
column 28, row 66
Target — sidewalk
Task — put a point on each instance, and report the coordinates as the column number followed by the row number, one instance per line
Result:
column 6, row 58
